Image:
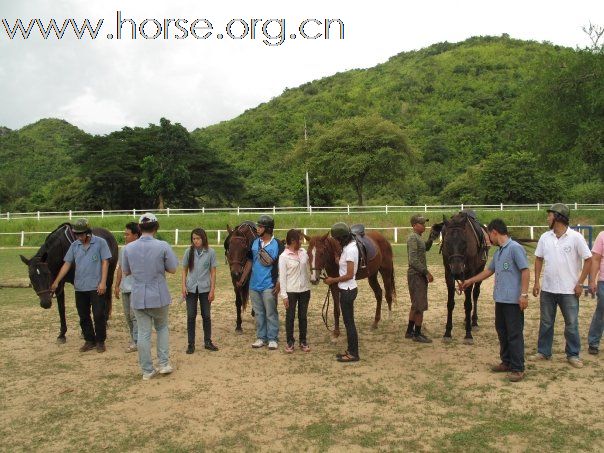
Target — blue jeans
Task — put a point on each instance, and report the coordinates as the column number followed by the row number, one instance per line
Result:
column 569, row 306
column 266, row 314
column 129, row 317
column 145, row 319
column 597, row 322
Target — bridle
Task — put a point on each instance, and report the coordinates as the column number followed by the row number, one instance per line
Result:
column 455, row 255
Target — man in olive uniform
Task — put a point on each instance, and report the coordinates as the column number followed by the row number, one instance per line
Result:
column 418, row 278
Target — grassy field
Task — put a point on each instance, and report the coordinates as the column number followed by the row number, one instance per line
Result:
column 315, row 223
column 401, row 396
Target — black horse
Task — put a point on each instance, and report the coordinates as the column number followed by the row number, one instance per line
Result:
column 46, row 263
column 464, row 256
column 237, row 247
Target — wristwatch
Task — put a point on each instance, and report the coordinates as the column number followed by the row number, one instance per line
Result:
column 524, row 295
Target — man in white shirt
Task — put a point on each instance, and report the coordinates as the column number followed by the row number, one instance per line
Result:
column 567, row 260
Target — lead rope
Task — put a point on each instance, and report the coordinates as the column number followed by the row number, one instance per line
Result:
column 325, row 309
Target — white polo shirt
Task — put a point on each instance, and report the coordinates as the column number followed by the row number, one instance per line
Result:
column 350, row 253
column 563, row 260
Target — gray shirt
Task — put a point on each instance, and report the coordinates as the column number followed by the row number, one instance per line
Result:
column 416, row 252
column 147, row 259
column 88, row 261
column 198, row 279
column 126, row 284
column 507, row 263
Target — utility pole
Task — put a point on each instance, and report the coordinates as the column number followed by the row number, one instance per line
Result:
column 307, row 179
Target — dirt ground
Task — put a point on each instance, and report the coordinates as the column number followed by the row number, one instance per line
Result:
column 400, row 396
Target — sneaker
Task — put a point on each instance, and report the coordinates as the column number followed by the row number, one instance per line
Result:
column 210, row 346
column 100, row 347
column 259, row 343
column 593, row 350
column 501, row 368
column 149, row 376
column 289, row 348
column 88, row 346
column 191, row 349
column 304, row 347
column 537, row 357
column 516, row 376
column 132, row 347
column 421, row 338
column 575, row 361
column 166, row 369
column 272, row 345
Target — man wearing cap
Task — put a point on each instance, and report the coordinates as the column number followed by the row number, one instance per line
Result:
column 563, row 251
column 91, row 256
column 418, row 278
column 264, row 284
column 147, row 260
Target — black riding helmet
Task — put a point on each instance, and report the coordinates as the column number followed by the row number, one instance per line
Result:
column 267, row 222
column 341, row 232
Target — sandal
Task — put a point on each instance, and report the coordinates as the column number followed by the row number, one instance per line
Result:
column 341, row 354
column 348, row 358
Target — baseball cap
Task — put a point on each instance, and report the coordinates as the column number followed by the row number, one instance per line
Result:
column 147, row 217
column 418, row 219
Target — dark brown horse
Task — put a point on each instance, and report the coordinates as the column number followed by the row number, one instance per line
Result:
column 464, row 256
column 237, row 247
column 323, row 254
column 45, row 265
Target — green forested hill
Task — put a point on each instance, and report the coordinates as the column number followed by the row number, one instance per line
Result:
column 486, row 120
column 458, row 104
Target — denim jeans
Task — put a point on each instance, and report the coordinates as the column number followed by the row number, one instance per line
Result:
column 597, row 321
column 509, row 323
column 204, row 304
column 301, row 300
column 347, row 297
column 266, row 314
column 569, row 306
column 145, row 319
column 129, row 317
column 85, row 300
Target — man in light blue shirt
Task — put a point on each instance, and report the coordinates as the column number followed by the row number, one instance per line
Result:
column 147, row 260
column 510, row 266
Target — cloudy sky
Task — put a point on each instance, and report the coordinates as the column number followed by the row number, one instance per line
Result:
column 106, row 83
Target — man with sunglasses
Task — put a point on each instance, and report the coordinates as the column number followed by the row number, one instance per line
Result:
column 91, row 256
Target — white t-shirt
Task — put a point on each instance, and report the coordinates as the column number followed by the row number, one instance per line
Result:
column 350, row 253
column 563, row 260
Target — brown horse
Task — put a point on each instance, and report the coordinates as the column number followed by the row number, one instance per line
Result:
column 323, row 254
column 237, row 248
column 463, row 257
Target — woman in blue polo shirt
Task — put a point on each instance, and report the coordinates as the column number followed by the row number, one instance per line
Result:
column 198, row 283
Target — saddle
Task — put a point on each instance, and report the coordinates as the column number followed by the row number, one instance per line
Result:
column 366, row 247
column 481, row 235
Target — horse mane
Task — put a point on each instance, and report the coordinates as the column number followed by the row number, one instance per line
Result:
column 44, row 247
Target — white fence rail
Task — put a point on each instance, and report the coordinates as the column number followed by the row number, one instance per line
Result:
column 217, row 236
column 348, row 209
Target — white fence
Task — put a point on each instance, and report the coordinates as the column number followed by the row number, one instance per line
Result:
column 218, row 235
column 348, row 209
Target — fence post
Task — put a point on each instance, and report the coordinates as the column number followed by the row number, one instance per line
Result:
column 501, row 206
column 70, row 214
column 538, row 206
column 425, row 208
column 7, row 215
column 386, row 209
column 395, row 235
column 310, row 209
column 22, row 238
column 348, row 209
column 461, row 207
column 203, row 209
column 134, row 213
column 102, row 213
column 218, row 242
column 168, row 212
column 38, row 215
column 176, row 236
column 575, row 205
column 532, row 232
column 237, row 214
column 274, row 210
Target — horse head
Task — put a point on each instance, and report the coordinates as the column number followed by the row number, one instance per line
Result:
column 237, row 251
column 322, row 252
column 40, row 278
column 455, row 245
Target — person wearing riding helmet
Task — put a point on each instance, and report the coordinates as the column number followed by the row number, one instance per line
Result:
column 347, row 286
column 264, row 284
column 91, row 256
column 564, row 252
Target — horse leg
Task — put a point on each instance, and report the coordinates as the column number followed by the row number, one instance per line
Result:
column 238, row 304
column 450, row 306
column 335, row 294
column 475, row 294
column 468, row 309
column 377, row 291
column 61, row 307
column 388, row 279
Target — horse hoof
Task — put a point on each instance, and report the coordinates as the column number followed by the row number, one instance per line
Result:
column 238, row 330
column 447, row 340
column 468, row 341
column 476, row 328
column 374, row 326
column 61, row 340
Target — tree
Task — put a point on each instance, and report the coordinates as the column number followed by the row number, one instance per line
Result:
column 358, row 151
